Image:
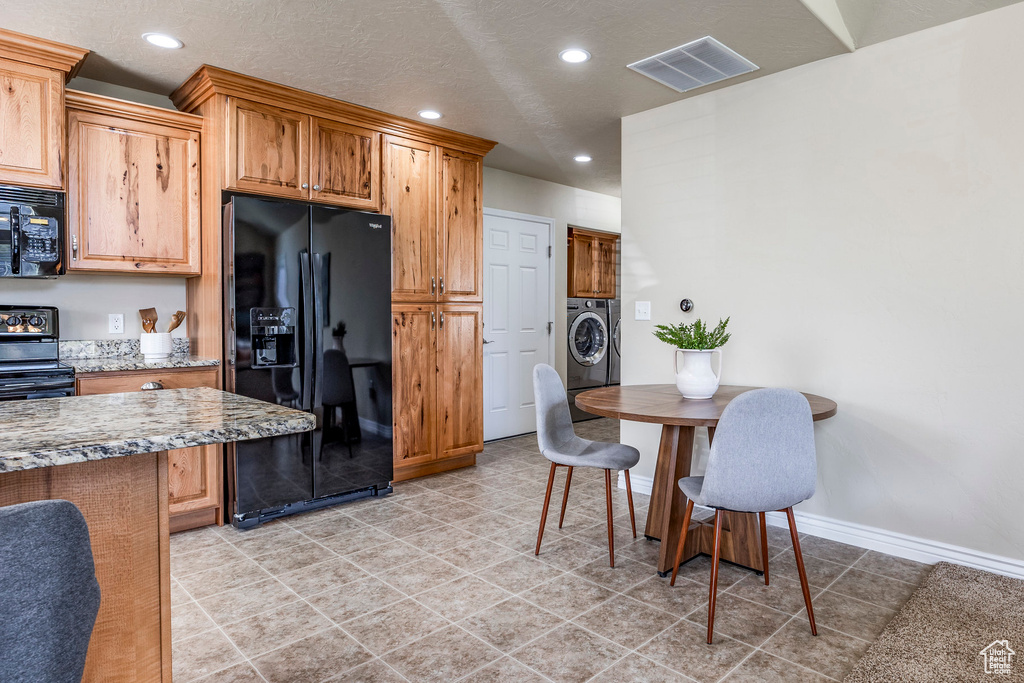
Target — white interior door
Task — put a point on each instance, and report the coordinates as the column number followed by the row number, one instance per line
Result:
column 518, row 305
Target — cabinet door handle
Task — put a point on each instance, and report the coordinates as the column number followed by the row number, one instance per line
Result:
column 433, row 287
column 316, row 188
column 74, row 247
column 442, row 321
column 441, row 282
column 305, row 186
column 433, row 321
column 151, row 386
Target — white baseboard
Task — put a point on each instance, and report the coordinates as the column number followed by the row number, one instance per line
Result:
column 874, row 538
column 637, row 483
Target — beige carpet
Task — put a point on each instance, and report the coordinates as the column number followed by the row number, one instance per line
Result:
column 939, row 634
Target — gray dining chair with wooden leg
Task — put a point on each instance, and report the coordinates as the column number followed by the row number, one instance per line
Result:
column 559, row 444
column 762, row 458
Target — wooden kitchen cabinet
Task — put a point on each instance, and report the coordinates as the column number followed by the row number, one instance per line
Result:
column 414, row 379
column 31, row 125
column 428, row 179
column 460, row 382
column 591, row 264
column 461, row 234
column 345, row 165
column 195, row 490
column 410, row 180
column 32, row 76
column 438, row 387
column 133, row 187
column 285, row 153
column 268, row 150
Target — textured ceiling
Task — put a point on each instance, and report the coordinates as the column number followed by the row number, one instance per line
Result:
column 490, row 65
column 872, row 21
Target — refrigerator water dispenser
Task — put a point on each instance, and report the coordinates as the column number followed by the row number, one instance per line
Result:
column 273, row 337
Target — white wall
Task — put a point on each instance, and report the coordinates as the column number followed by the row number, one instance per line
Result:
column 567, row 206
column 84, row 299
column 860, row 219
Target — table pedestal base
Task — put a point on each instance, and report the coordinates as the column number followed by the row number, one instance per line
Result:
column 740, row 534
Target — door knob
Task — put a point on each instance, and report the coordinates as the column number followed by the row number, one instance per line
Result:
column 488, row 342
column 151, row 386
column 305, row 186
column 316, row 188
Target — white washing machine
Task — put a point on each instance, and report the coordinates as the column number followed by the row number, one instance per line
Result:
column 589, row 349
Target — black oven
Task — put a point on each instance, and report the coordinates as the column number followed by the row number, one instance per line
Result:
column 30, row 364
column 31, row 232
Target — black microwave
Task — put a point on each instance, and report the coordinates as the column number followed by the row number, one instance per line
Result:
column 31, row 232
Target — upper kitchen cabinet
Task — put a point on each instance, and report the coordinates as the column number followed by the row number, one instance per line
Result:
column 32, row 76
column 285, row 153
column 268, row 150
column 410, row 179
column 591, row 268
column 461, row 234
column 345, row 165
column 133, row 187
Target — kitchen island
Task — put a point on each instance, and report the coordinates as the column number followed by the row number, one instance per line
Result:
column 107, row 455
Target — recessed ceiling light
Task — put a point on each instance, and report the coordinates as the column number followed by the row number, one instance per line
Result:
column 582, row 158
column 574, row 55
column 162, row 40
column 430, row 114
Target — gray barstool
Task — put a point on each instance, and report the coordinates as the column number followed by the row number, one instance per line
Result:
column 762, row 459
column 559, row 444
column 49, row 595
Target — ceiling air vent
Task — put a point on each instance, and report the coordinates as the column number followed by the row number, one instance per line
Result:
column 693, row 65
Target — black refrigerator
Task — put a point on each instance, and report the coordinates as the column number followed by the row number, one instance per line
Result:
column 308, row 325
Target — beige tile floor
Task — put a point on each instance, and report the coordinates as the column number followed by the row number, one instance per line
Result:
column 438, row 582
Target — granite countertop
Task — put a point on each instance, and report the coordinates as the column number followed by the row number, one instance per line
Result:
column 137, row 362
column 58, row 431
column 114, row 355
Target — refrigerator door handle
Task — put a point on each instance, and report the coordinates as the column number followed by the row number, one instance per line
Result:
column 318, row 330
column 308, row 329
column 318, row 356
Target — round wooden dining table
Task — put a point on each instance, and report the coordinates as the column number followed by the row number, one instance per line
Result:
column 662, row 404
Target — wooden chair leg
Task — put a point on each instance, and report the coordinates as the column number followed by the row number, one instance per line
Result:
column 544, row 512
column 629, row 497
column 682, row 541
column 764, row 546
column 800, row 568
column 611, row 532
column 714, row 574
column 565, row 497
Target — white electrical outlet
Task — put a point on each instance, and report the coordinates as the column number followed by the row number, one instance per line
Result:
column 643, row 310
column 116, row 323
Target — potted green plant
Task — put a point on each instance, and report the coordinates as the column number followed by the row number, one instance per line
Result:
column 695, row 378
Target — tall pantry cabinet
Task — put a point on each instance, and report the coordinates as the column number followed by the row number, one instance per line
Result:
column 268, row 139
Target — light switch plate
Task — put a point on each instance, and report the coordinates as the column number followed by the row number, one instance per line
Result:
column 643, row 310
column 116, row 324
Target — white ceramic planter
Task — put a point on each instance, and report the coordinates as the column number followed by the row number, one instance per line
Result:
column 695, row 378
column 155, row 345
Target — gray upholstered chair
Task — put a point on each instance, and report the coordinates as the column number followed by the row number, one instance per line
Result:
column 559, row 444
column 762, row 458
column 49, row 596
